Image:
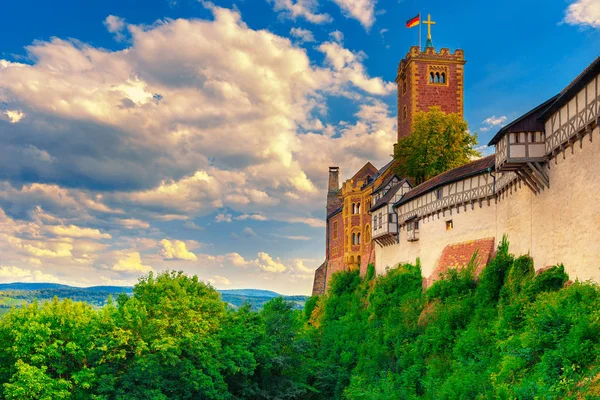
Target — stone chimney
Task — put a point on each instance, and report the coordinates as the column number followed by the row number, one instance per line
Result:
column 333, row 201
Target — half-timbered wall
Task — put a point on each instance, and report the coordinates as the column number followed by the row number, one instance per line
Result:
column 558, row 225
column 571, row 120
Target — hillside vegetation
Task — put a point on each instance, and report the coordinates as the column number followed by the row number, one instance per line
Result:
column 22, row 293
column 511, row 334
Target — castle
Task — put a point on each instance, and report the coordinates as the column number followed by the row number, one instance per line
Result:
column 540, row 188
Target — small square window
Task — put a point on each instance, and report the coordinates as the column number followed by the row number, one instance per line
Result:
column 439, row 193
column 449, row 225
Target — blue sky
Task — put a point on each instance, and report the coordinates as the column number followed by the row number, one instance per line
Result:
column 196, row 136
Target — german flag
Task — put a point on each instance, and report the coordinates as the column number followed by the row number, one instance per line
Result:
column 413, row 21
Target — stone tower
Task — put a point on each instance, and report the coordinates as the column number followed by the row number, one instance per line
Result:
column 426, row 79
column 333, row 201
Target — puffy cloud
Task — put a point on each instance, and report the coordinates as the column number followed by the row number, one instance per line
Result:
column 337, row 36
column 300, row 8
column 14, row 116
column 223, row 217
column 266, row 263
column 175, row 250
column 249, row 232
column 131, row 263
column 115, row 25
column 583, row 12
column 49, row 249
column 220, row 280
column 303, row 35
column 310, row 221
column 255, row 217
column 361, row 10
column 74, row 231
column 492, row 122
column 16, row 274
column 348, row 67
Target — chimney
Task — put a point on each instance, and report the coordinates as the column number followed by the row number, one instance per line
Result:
column 333, row 201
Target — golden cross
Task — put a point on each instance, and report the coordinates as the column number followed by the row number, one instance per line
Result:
column 429, row 22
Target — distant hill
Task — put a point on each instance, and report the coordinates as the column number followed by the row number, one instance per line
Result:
column 19, row 293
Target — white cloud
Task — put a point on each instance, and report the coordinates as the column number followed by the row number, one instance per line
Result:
column 74, row 231
column 337, row 36
column 14, row 116
column 115, row 25
column 583, row 12
column 223, row 217
column 300, row 8
column 131, row 263
column 348, row 67
column 220, row 280
column 16, row 274
column 175, row 250
column 303, row 35
column 249, row 232
column 361, row 10
column 314, row 222
column 492, row 122
column 255, row 217
column 266, row 263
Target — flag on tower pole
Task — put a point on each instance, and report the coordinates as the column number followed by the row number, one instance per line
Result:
column 413, row 21
column 416, row 20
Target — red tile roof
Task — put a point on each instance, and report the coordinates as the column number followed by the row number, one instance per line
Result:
column 453, row 175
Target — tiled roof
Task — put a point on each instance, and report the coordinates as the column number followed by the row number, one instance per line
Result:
column 378, row 174
column 571, row 90
column 528, row 122
column 458, row 173
column 384, row 183
column 388, row 196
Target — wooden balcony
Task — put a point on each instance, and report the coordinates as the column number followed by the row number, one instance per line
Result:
column 524, row 153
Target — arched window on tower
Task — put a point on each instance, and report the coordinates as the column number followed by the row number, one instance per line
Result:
column 431, row 77
column 358, row 238
column 354, row 238
column 443, row 77
column 404, row 113
column 353, row 208
column 358, row 208
column 437, row 77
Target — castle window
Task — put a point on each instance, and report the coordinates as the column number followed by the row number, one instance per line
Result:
column 353, row 208
column 449, row 225
column 375, row 222
column 380, row 220
column 437, row 77
column 358, row 208
column 404, row 113
column 354, row 238
column 431, row 77
column 439, row 193
column 358, row 260
column 335, row 230
column 443, row 78
column 412, row 231
column 358, row 238
column 367, row 234
column 404, row 86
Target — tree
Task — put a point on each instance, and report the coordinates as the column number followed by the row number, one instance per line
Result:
column 437, row 143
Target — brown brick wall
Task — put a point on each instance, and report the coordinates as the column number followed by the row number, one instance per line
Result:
column 458, row 256
column 420, row 94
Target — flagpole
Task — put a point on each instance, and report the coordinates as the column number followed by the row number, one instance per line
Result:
column 419, row 31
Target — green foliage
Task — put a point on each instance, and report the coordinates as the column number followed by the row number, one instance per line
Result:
column 508, row 334
column 438, row 142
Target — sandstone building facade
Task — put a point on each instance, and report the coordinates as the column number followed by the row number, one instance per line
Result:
column 540, row 188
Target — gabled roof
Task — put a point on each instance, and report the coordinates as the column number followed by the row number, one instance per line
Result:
column 381, row 171
column 367, row 169
column 388, row 196
column 385, row 182
column 571, row 90
column 453, row 175
column 528, row 122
